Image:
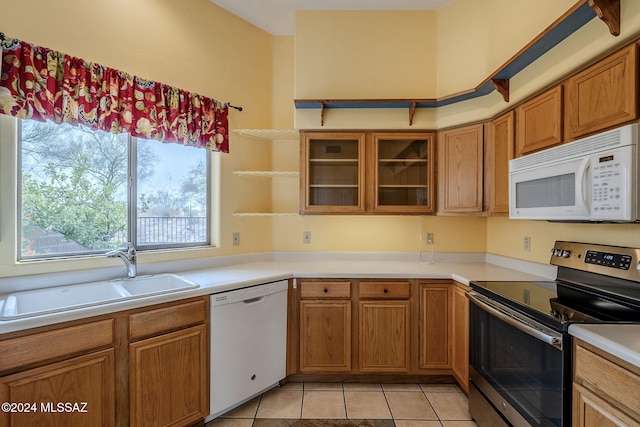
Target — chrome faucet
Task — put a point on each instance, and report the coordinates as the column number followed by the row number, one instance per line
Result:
column 128, row 255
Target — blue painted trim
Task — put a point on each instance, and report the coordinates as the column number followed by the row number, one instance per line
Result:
column 564, row 29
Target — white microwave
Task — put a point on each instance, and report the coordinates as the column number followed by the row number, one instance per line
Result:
column 591, row 179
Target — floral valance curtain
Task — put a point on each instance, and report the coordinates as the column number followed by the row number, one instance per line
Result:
column 42, row 84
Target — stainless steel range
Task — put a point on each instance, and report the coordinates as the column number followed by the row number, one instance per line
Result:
column 520, row 350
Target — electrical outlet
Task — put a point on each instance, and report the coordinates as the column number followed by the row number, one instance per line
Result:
column 429, row 238
column 306, row 237
column 526, row 244
column 236, row 239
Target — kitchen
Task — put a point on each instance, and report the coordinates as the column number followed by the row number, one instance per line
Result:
column 264, row 73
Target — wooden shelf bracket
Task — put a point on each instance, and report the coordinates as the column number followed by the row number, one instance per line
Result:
column 609, row 12
column 412, row 111
column 502, row 86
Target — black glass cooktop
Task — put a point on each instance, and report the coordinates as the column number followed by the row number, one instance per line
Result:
column 531, row 298
column 560, row 303
column 533, row 294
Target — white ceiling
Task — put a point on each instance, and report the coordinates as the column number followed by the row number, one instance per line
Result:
column 277, row 16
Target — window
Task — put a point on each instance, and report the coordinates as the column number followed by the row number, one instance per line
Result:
column 85, row 191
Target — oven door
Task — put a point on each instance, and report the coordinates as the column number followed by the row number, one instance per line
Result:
column 519, row 365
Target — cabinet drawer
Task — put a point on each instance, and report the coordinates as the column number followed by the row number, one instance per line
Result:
column 166, row 319
column 39, row 347
column 607, row 379
column 385, row 290
column 325, row 289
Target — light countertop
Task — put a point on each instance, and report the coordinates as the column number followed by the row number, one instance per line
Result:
column 622, row 341
column 230, row 277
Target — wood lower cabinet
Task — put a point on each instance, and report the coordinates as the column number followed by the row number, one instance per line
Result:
column 384, row 336
column 169, row 364
column 142, row 367
column 604, row 95
column 325, row 336
column 377, row 328
column 384, row 312
column 76, row 392
column 168, row 378
column 460, row 170
column 72, row 363
column 460, row 335
column 435, row 330
column 325, row 326
column 605, row 389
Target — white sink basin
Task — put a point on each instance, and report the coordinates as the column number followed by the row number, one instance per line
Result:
column 62, row 298
column 155, row 284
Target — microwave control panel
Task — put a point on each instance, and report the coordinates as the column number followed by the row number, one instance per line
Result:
column 607, row 186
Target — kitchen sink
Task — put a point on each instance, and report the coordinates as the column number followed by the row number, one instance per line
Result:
column 154, row 284
column 62, row 298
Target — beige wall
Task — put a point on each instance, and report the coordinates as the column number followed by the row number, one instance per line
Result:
column 197, row 46
column 473, row 39
column 191, row 44
column 362, row 54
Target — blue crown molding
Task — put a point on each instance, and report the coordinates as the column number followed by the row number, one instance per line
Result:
column 576, row 17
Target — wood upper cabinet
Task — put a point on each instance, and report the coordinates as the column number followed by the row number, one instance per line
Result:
column 325, row 326
column 460, row 170
column 539, row 122
column 460, row 336
column 605, row 389
column 435, row 330
column 603, row 95
column 367, row 172
column 402, row 168
column 498, row 151
column 332, row 172
column 385, row 327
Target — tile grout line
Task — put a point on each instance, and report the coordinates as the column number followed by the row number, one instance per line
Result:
column 430, row 404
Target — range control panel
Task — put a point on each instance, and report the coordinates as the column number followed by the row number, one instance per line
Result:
column 616, row 261
column 608, row 259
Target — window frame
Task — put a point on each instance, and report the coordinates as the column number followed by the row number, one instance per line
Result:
column 132, row 208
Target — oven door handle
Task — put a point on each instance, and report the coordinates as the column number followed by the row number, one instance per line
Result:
column 505, row 315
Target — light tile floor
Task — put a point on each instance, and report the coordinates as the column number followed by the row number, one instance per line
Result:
column 350, row 405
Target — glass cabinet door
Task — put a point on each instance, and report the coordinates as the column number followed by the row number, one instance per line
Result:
column 334, row 172
column 404, row 176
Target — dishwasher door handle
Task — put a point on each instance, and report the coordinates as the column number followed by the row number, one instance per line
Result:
column 253, row 300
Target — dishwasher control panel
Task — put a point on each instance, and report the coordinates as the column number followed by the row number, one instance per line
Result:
column 249, row 294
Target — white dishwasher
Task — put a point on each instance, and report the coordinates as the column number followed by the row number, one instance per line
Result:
column 248, row 344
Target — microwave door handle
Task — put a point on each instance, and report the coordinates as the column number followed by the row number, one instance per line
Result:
column 582, row 181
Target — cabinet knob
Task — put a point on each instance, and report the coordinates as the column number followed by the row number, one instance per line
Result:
column 386, row 291
column 325, row 290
